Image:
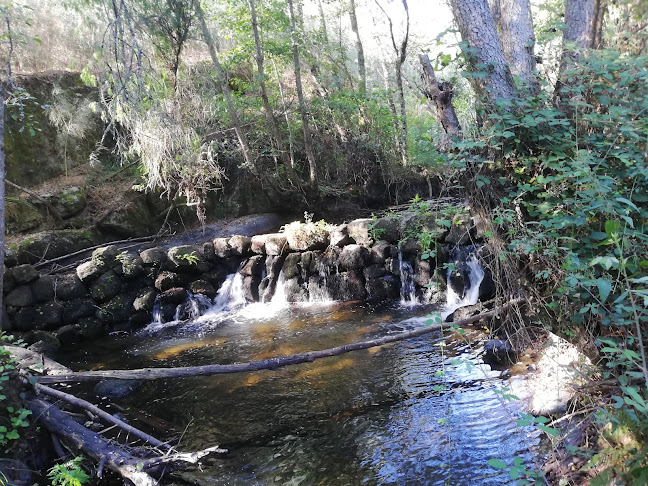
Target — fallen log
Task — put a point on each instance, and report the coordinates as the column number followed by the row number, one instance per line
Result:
column 137, row 469
column 265, row 364
column 71, row 399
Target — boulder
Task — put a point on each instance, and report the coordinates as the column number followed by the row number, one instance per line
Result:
column 49, row 315
column 353, row 257
column 386, row 229
column 48, row 245
column 175, row 296
column 26, row 319
column 347, row 286
column 251, row 287
column 24, row 274
column 360, row 231
column 105, row 287
column 499, row 352
column 11, row 257
column 339, row 236
column 74, row 310
column 462, row 231
column 16, row 473
column 410, row 247
column 90, row 271
column 222, row 249
column 209, row 252
column 422, row 272
column 240, row 245
column 116, row 310
column 8, row 281
column 106, row 256
column 43, row 288
column 373, row 272
column 20, row 297
column 381, row 289
column 91, row 328
column 304, row 237
column 154, row 256
column 167, row 280
column 392, row 265
column 69, row 287
column 69, row 334
column 145, row 300
column 26, row 218
column 276, row 244
column 294, row 291
column 131, row 266
column 254, row 266
column 68, row 202
column 130, row 219
column 292, row 266
column 202, row 287
column 186, row 259
column 257, row 244
column 380, row 251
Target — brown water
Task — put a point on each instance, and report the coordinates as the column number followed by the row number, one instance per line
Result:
column 423, row 411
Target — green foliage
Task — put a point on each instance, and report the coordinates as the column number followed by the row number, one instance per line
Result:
column 578, row 173
column 12, row 419
column 70, row 473
column 190, row 258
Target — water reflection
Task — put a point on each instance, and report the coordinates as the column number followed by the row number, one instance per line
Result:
column 399, row 414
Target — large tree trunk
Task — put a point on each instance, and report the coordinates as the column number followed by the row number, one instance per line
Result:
column 308, row 146
column 362, row 70
column 272, row 121
column 580, row 23
column 515, row 24
column 2, row 203
column 477, row 28
column 222, row 81
column 441, row 95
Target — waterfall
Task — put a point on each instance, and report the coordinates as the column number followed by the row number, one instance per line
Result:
column 192, row 308
column 318, row 290
column 230, row 296
column 408, row 290
column 465, row 266
column 279, row 297
column 157, row 311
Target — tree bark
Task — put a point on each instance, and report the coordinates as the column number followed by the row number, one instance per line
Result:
column 273, row 124
column 441, row 95
column 308, row 146
column 515, row 24
column 484, row 51
column 580, row 23
column 265, row 364
column 2, row 203
column 325, row 37
column 362, row 70
column 222, row 81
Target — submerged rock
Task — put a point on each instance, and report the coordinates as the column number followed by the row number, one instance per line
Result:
column 116, row 388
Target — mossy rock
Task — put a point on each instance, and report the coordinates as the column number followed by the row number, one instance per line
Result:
column 52, row 244
column 23, row 216
column 133, row 219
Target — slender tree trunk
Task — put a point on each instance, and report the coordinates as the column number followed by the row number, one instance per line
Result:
column 515, row 24
column 308, row 147
column 2, row 203
column 325, row 37
column 392, row 107
column 477, row 28
column 401, row 55
column 272, row 121
column 441, row 95
column 222, row 81
column 362, row 70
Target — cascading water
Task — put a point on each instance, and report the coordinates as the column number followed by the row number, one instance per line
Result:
column 318, row 290
column 466, row 264
column 193, row 307
column 230, row 296
column 408, row 290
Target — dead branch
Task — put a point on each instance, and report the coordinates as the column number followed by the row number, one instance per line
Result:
column 265, row 364
column 71, row 399
column 135, row 468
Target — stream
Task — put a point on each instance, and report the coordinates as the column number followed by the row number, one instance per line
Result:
column 422, row 411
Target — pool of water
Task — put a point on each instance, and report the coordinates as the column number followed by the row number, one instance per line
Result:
column 421, row 411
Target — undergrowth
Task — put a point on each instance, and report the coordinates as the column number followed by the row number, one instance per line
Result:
column 565, row 183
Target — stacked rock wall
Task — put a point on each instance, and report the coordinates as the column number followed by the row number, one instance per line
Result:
column 117, row 290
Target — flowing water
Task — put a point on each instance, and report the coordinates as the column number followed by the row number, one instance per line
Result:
column 422, row 411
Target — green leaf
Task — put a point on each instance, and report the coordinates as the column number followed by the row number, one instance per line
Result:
column 629, row 203
column 497, row 464
column 549, row 430
column 604, row 288
column 612, row 226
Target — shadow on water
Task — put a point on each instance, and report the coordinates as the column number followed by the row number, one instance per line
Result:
column 404, row 413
